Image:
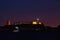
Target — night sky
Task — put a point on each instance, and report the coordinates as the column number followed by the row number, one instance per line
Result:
column 26, row 10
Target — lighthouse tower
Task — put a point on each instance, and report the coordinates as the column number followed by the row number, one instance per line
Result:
column 8, row 22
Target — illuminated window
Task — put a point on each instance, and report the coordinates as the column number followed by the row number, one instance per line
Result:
column 34, row 23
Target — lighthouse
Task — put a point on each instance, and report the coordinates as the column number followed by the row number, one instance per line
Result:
column 8, row 22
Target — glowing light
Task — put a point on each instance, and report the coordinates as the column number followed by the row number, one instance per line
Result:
column 17, row 28
column 37, row 19
column 40, row 22
column 34, row 23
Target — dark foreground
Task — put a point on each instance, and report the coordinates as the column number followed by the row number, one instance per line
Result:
column 29, row 32
column 28, row 28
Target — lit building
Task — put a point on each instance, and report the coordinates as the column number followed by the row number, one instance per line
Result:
column 37, row 21
column 34, row 22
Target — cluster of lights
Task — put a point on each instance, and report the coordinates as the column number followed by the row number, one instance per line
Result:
column 34, row 22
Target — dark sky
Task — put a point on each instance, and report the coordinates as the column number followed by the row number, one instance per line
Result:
column 17, row 10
